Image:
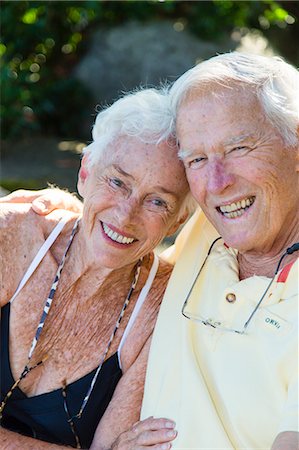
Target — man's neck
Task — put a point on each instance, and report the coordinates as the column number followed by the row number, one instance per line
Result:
column 263, row 265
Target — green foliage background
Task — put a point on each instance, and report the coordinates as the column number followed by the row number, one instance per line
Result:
column 43, row 40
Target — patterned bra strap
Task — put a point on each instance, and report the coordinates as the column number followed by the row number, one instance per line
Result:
column 51, row 294
column 41, row 253
column 141, row 299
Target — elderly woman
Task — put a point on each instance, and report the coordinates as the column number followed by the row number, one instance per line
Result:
column 80, row 294
column 224, row 357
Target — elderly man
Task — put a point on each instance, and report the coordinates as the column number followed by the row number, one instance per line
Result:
column 223, row 361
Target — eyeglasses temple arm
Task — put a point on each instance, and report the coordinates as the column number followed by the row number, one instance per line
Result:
column 288, row 251
column 196, row 278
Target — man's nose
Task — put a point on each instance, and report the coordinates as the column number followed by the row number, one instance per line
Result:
column 219, row 177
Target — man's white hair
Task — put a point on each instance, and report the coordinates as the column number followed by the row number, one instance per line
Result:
column 275, row 83
column 144, row 114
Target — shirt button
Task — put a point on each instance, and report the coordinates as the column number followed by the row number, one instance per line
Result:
column 230, row 298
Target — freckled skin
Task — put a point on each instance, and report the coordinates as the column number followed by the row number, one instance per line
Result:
column 259, row 165
column 95, row 280
column 130, row 207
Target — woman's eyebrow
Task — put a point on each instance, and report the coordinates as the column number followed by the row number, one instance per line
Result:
column 160, row 189
column 121, row 171
column 157, row 188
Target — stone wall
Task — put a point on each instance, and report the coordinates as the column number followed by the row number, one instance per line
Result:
column 134, row 54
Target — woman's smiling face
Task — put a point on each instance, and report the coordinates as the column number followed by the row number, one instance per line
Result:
column 132, row 198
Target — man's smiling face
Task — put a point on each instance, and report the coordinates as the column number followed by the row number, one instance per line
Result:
column 239, row 169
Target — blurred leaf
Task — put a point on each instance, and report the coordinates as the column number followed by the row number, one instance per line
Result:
column 43, row 41
column 30, row 16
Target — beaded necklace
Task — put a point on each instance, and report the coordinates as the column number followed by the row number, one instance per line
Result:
column 27, row 369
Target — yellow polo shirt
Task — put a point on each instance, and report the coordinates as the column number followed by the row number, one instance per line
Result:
column 224, row 390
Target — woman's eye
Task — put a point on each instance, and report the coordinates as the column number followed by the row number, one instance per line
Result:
column 116, row 182
column 159, row 203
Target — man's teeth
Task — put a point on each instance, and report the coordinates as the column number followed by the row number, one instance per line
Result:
column 115, row 236
column 236, row 209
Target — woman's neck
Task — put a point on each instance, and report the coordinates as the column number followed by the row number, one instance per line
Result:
column 80, row 264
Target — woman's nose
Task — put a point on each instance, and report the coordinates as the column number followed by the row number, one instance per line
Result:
column 219, row 177
column 128, row 211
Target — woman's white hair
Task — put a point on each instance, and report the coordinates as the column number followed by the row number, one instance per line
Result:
column 144, row 114
column 275, row 83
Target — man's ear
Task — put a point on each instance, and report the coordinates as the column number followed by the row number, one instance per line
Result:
column 83, row 176
column 174, row 227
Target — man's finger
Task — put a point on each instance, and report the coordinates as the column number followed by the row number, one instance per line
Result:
column 154, row 424
column 43, row 206
column 164, row 446
column 21, row 196
column 156, row 437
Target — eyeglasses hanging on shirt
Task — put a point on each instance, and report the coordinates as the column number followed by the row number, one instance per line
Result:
column 216, row 323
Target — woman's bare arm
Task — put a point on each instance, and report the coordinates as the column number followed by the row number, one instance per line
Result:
column 15, row 441
column 119, row 428
column 124, row 409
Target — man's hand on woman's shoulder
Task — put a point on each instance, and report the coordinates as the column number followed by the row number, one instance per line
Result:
column 45, row 201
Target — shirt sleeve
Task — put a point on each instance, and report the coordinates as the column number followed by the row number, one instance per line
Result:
column 290, row 420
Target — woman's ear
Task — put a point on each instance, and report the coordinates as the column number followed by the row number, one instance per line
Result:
column 83, row 175
column 174, row 227
column 297, row 150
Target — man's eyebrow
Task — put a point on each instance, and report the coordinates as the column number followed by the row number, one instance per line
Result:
column 184, row 153
column 121, row 171
column 237, row 139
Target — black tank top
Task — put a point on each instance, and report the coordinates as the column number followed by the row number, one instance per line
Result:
column 43, row 416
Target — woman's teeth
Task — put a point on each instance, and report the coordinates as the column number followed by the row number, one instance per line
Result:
column 115, row 236
column 236, row 209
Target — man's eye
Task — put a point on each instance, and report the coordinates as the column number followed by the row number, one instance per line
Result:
column 240, row 149
column 195, row 163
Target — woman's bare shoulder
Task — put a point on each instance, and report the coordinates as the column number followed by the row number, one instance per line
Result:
column 12, row 214
column 19, row 225
column 147, row 316
column 154, row 298
column 21, row 216
column 18, row 231
column 22, row 233
column 22, row 224
column 54, row 217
